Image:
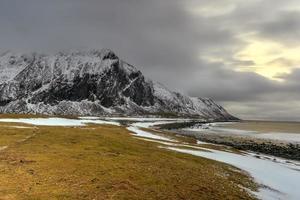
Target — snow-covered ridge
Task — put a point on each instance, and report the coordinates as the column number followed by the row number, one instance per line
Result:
column 90, row 83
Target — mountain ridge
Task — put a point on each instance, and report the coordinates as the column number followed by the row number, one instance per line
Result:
column 95, row 82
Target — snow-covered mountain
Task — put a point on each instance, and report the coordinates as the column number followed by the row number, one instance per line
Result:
column 90, row 83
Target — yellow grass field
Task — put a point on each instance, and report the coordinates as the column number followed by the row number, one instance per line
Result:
column 106, row 162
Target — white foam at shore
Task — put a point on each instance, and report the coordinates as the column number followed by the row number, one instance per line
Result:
column 145, row 119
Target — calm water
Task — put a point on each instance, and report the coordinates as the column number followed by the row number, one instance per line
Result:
column 278, row 131
column 265, row 126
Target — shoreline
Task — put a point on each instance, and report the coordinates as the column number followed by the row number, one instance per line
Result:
column 261, row 171
column 283, row 149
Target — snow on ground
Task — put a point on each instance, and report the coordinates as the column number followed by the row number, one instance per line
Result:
column 53, row 121
column 200, row 142
column 136, row 128
column 157, row 141
column 20, row 127
column 279, row 177
column 87, row 121
column 140, row 133
column 143, row 119
column 282, row 182
column 150, row 124
column 91, row 118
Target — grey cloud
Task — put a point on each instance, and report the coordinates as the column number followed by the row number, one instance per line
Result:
column 284, row 27
column 248, row 94
column 280, row 110
column 228, row 85
column 164, row 40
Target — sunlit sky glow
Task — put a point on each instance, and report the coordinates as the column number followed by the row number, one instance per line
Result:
column 269, row 58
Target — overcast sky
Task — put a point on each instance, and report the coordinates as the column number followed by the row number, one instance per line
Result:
column 243, row 54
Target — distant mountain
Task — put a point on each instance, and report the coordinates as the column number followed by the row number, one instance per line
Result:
column 90, row 83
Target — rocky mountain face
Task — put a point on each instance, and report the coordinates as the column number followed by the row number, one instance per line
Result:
column 90, row 83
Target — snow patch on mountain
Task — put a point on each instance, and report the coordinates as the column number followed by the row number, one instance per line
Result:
column 90, row 83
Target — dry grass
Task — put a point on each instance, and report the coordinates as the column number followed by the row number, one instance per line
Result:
column 105, row 162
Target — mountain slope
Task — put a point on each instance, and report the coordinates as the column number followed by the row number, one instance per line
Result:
column 90, row 83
